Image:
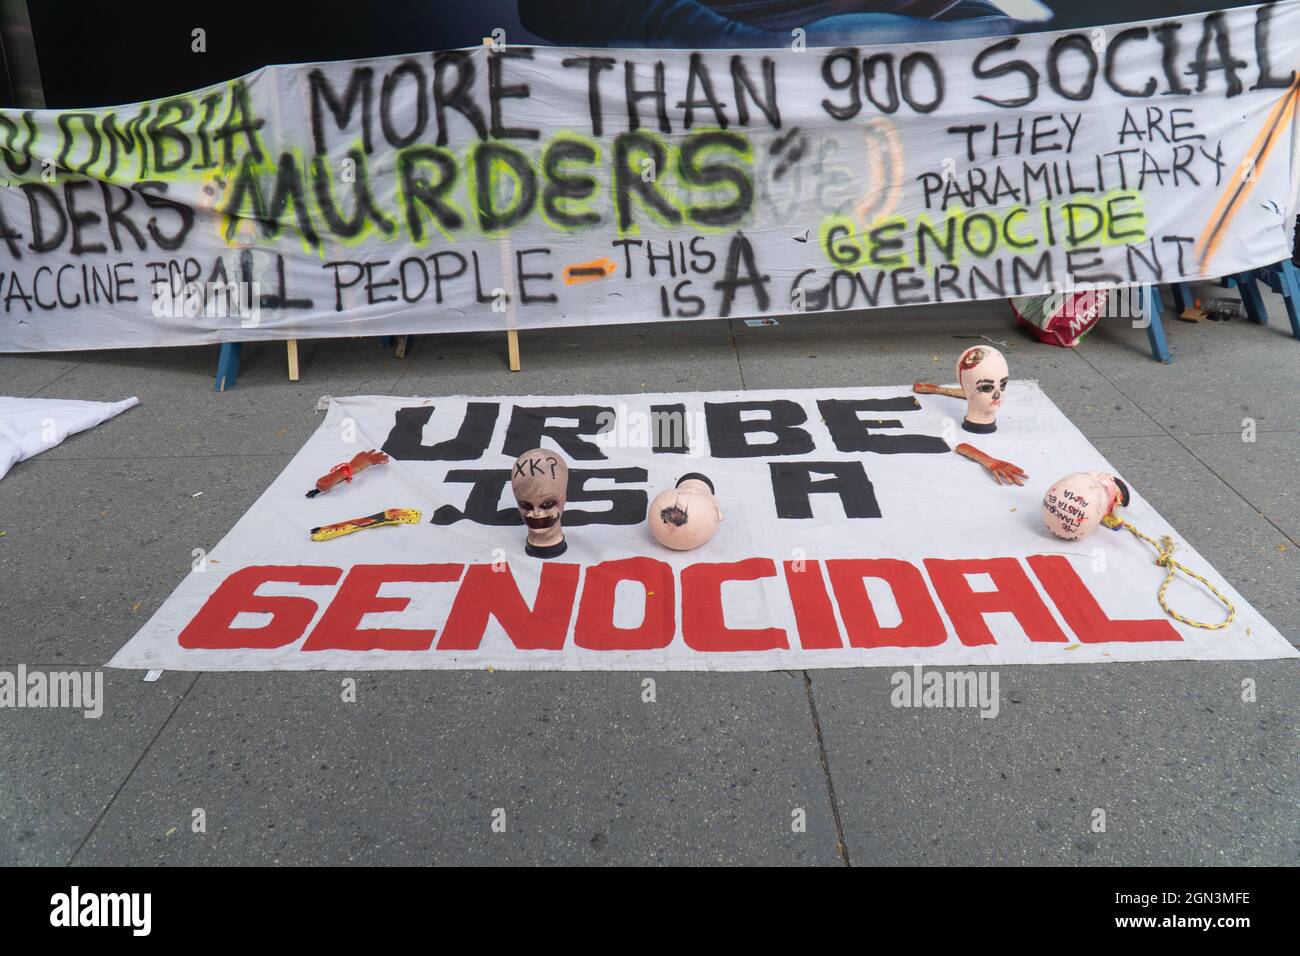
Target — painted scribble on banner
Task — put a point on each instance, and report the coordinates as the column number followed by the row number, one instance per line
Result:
column 524, row 187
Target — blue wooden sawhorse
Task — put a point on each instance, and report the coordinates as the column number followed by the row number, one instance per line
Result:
column 228, row 365
column 228, row 362
column 1149, row 300
column 1283, row 278
column 1149, row 297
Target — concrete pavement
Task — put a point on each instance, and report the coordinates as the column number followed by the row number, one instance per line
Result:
column 100, row 529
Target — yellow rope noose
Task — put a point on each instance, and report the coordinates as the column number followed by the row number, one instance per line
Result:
column 1164, row 558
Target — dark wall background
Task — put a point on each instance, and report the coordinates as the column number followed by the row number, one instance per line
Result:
column 124, row 52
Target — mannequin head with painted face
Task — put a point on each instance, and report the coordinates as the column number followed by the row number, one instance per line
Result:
column 982, row 374
column 540, row 481
column 687, row 516
column 1076, row 505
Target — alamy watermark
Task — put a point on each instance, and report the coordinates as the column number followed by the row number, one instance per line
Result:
column 1088, row 302
column 130, row 910
column 671, row 427
column 77, row 690
column 946, row 688
column 209, row 300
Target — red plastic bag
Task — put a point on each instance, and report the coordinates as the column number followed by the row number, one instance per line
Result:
column 1062, row 318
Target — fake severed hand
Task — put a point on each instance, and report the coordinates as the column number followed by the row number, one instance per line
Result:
column 1003, row 472
column 364, row 459
column 344, row 472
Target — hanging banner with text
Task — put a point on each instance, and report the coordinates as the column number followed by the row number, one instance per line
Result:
column 853, row 536
column 517, row 187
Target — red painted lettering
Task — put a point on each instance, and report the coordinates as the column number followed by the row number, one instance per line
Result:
column 358, row 596
column 290, row 616
column 1014, row 592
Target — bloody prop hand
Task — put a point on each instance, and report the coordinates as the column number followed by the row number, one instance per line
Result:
column 344, row 472
column 925, row 388
column 1004, row 472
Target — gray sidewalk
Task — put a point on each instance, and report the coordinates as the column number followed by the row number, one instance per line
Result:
column 99, row 530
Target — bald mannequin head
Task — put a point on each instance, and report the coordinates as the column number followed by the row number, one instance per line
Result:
column 687, row 516
column 1074, row 506
column 982, row 374
column 540, row 481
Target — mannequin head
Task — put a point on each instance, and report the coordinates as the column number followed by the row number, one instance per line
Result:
column 540, row 481
column 982, row 374
column 1075, row 505
column 687, row 516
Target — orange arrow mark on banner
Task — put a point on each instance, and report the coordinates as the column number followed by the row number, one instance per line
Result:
column 1230, row 202
column 588, row 271
column 884, row 172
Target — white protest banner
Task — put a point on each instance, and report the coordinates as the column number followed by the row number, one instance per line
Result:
column 852, row 536
column 29, row 426
column 372, row 197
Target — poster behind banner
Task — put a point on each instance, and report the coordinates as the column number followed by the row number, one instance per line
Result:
column 529, row 187
column 853, row 536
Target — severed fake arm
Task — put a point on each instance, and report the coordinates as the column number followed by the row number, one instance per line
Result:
column 1003, row 472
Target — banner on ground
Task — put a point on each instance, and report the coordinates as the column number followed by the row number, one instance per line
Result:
column 29, row 426
column 853, row 536
column 517, row 187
